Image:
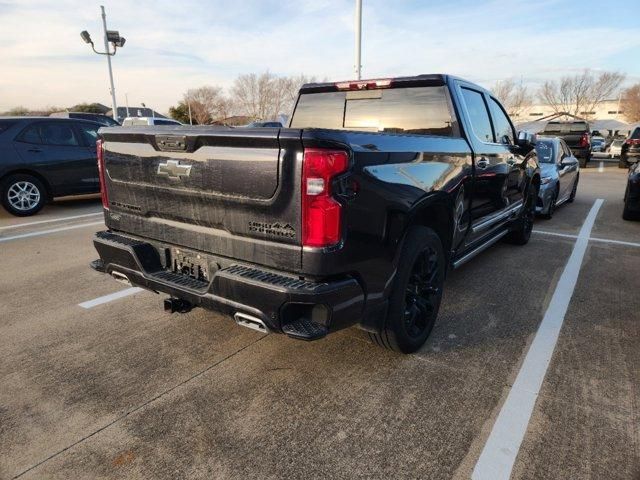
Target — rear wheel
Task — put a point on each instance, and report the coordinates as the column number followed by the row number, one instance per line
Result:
column 415, row 299
column 23, row 195
column 583, row 162
column 521, row 230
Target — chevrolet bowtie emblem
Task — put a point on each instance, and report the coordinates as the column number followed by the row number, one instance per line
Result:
column 173, row 169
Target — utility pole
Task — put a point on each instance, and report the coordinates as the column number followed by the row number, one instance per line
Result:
column 114, row 105
column 113, row 37
column 358, row 29
column 126, row 99
column 190, row 121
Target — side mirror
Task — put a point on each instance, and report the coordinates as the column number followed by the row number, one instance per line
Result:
column 568, row 162
column 526, row 140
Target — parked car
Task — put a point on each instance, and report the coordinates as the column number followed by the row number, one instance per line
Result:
column 352, row 215
column 616, row 147
column 559, row 172
column 94, row 117
column 630, row 151
column 139, row 121
column 597, row 144
column 264, row 124
column 44, row 157
column 576, row 135
column 631, row 209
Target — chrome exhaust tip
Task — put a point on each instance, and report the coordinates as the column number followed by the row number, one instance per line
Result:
column 121, row 277
column 248, row 321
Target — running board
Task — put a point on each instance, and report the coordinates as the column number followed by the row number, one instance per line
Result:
column 498, row 217
column 480, row 248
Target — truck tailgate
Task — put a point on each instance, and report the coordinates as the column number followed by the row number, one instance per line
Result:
column 228, row 192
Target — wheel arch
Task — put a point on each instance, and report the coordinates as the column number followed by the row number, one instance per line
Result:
column 435, row 212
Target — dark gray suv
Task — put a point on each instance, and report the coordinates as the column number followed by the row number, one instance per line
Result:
column 44, row 157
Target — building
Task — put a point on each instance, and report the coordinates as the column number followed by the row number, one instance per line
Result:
column 607, row 110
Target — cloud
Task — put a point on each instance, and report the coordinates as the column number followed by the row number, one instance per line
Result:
column 173, row 46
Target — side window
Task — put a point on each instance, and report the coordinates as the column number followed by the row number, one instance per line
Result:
column 478, row 115
column 31, row 134
column 501, row 123
column 89, row 134
column 60, row 134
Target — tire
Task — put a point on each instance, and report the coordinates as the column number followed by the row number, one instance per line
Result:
column 574, row 190
column 622, row 164
column 23, row 195
column 583, row 162
column 628, row 214
column 521, row 230
column 417, row 291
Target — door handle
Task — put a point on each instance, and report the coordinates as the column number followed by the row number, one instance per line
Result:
column 34, row 150
column 482, row 163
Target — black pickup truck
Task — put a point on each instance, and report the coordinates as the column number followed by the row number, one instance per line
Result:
column 576, row 134
column 351, row 215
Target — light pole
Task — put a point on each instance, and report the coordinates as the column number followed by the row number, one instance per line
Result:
column 113, row 37
column 358, row 29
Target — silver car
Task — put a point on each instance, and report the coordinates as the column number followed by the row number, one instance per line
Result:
column 560, row 173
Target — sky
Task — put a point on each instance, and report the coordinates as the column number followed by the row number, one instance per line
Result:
column 172, row 46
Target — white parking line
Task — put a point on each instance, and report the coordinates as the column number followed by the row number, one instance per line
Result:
column 601, row 167
column 46, row 232
column 591, row 239
column 58, row 219
column 617, row 242
column 108, row 298
column 555, row 234
column 499, row 453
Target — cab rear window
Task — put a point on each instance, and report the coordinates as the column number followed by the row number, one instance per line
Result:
column 414, row 110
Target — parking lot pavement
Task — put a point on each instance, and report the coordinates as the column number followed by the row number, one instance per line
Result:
column 123, row 390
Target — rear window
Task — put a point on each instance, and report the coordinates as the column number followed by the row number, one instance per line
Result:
column 568, row 127
column 415, row 110
column 636, row 133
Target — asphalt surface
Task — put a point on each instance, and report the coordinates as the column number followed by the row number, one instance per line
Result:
column 123, row 390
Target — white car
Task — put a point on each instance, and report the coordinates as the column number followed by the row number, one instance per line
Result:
column 136, row 121
column 615, row 149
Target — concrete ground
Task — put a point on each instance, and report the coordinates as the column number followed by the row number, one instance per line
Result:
column 123, row 390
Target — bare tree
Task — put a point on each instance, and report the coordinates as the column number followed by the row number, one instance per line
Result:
column 580, row 93
column 630, row 103
column 207, row 104
column 266, row 96
column 514, row 96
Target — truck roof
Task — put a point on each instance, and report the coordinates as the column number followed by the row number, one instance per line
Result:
column 436, row 79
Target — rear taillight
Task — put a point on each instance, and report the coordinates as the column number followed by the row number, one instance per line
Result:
column 632, row 141
column 321, row 213
column 584, row 140
column 101, row 175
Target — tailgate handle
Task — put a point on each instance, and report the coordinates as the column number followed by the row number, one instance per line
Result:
column 171, row 143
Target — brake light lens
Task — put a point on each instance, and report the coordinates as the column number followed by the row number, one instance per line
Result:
column 101, row 174
column 364, row 84
column 632, row 141
column 321, row 213
column 584, row 140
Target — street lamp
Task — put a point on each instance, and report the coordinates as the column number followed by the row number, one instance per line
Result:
column 113, row 37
